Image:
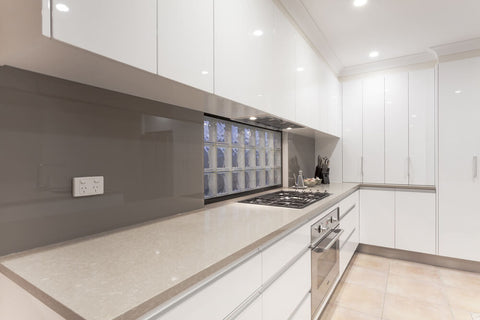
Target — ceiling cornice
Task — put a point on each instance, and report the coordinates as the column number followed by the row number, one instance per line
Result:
column 307, row 26
column 457, row 47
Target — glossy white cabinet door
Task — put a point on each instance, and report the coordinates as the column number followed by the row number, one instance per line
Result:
column 334, row 108
column 122, row 30
column 352, row 130
column 307, row 106
column 421, row 126
column 415, row 221
column 304, row 311
column 396, row 128
column 282, row 298
column 244, row 51
column 377, row 217
column 185, row 42
column 374, row 130
column 459, row 144
column 253, row 311
column 284, row 67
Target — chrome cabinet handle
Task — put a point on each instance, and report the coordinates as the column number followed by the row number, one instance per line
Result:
column 348, row 211
column 348, row 238
column 475, row 166
column 319, row 249
column 361, row 165
column 407, row 167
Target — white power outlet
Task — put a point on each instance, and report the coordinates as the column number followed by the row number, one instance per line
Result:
column 87, row 186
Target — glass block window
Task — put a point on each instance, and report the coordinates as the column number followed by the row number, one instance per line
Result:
column 239, row 158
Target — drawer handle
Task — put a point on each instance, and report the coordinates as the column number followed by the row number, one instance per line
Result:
column 348, row 211
column 348, row 238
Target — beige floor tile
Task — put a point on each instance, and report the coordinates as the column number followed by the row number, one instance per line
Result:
column 460, row 279
column 414, row 288
column 401, row 308
column 459, row 314
column 336, row 312
column 371, row 262
column 361, row 299
column 367, row 277
column 418, row 270
column 467, row 298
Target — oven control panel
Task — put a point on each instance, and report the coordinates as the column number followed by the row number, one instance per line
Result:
column 323, row 226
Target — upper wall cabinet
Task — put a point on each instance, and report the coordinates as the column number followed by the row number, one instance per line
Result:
column 185, row 42
column 122, row 30
column 244, row 33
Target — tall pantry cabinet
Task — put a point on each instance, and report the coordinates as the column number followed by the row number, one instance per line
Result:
column 459, row 150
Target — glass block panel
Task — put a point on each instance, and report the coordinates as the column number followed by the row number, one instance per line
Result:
column 250, row 158
column 224, row 182
column 238, row 158
column 260, row 179
column 223, row 157
column 237, row 135
column 238, row 181
column 250, row 179
column 209, row 156
column 278, row 176
column 269, row 158
column 269, row 140
column 223, row 132
column 269, row 177
column 249, row 137
column 209, row 185
column 260, row 138
column 260, row 158
column 209, row 130
column 278, row 158
column 277, row 140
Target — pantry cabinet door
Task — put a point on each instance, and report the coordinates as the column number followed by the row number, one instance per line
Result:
column 122, row 30
column 185, row 42
column 373, row 130
column 377, row 217
column 422, row 127
column 352, row 130
column 396, row 128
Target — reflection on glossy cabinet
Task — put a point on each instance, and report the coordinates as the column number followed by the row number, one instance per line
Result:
column 396, row 128
column 459, row 153
column 415, row 221
column 244, row 51
column 377, row 217
column 304, row 311
column 117, row 29
column 421, row 94
column 352, row 130
column 253, row 311
column 185, row 42
column 373, row 130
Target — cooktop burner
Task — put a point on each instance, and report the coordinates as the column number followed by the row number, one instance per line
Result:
column 288, row 199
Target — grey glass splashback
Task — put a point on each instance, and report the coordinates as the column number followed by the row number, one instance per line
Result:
column 52, row 130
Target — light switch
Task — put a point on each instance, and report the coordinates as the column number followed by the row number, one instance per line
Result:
column 87, row 186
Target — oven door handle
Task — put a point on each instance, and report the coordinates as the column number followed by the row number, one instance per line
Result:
column 319, row 248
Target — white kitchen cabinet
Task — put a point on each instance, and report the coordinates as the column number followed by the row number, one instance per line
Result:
column 304, row 311
column 415, row 221
column 185, row 42
column 307, row 103
column 252, row 312
column 349, row 223
column 396, row 128
column 244, row 50
column 284, row 295
column 421, row 95
column 222, row 296
column 122, row 30
column 334, row 111
column 352, row 130
column 377, row 217
column 374, row 130
column 459, row 150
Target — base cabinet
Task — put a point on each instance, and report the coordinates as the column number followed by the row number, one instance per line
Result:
column 349, row 223
column 377, row 217
column 304, row 311
column 252, row 312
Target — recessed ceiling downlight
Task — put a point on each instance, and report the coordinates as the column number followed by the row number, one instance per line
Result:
column 253, row 118
column 258, row 33
column 62, row 7
column 359, row 3
column 373, row 54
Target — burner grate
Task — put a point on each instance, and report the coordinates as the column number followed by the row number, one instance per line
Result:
column 288, row 199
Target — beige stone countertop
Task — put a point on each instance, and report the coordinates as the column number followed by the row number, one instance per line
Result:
column 126, row 273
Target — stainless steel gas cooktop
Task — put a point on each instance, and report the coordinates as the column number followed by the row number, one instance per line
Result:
column 288, row 199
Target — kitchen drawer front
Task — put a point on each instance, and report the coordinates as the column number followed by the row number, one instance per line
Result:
column 348, row 204
column 304, row 311
column 217, row 299
column 252, row 312
column 283, row 296
column 347, row 249
column 280, row 253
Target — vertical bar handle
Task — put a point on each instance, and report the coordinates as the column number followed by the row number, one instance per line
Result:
column 407, row 169
column 361, row 165
column 475, row 166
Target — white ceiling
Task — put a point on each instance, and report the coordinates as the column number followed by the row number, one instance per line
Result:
column 395, row 28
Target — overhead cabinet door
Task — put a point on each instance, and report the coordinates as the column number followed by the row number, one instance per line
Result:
column 373, row 130
column 459, row 149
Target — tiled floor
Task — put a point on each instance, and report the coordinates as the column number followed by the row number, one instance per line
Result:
column 376, row 288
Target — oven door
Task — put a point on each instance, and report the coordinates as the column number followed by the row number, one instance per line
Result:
column 325, row 267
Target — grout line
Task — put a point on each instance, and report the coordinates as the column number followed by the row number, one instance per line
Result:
column 386, row 288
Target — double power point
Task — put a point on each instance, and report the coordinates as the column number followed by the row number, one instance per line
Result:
column 88, row 186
